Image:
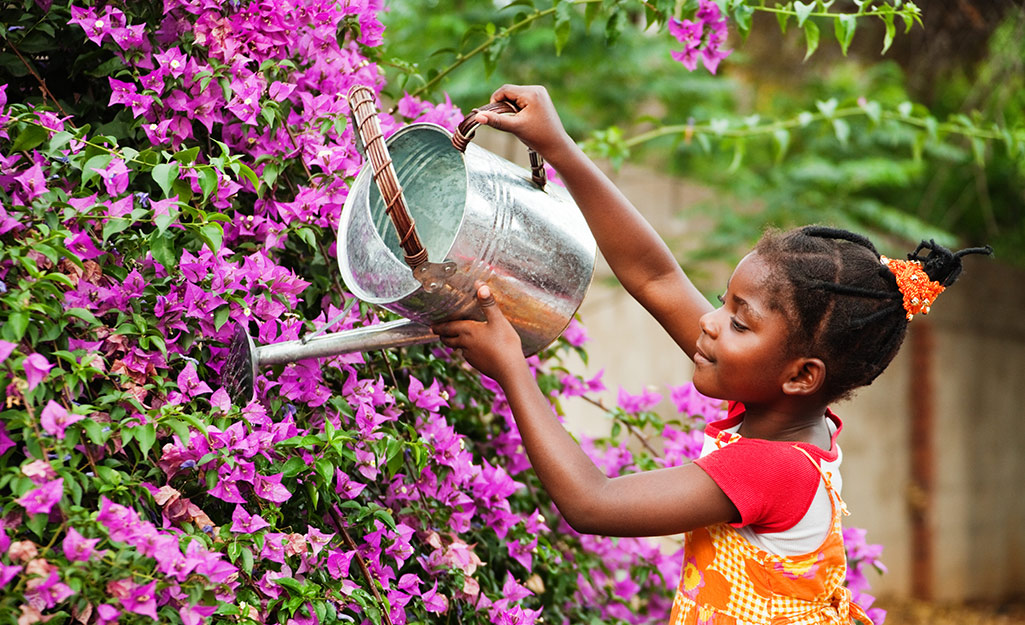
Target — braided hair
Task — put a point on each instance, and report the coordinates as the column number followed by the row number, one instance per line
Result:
column 843, row 304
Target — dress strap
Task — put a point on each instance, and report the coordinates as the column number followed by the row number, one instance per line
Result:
column 825, row 478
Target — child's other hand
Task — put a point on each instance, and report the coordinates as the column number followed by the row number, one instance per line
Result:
column 537, row 124
column 492, row 346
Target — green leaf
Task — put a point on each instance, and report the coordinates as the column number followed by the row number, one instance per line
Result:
column 207, row 179
column 842, row 130
column 891, row 31
column 84, row 315
column 844, row 26
column 164, row 175
column 739, row 149
column 563, row 16
column 293, row 467
column 95, row 431
column 212, row 234
column 221, row 316
column 742, row 14
column 161, row 245
column 187, row 157
column 783, row 19
column 782, row 139
column 14, row 327
column 59, row 140
column 96, row 162
column 873, row 110
column 979, row 151
column 29, row 138
column 247, row 561
column 803, row 11
column 146, row 435
column 811, row 39
column 178, row 427
column 247, row 172
column 827, row 107
column 37, row 524
column 115, row 225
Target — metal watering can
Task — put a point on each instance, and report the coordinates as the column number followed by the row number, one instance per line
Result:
column 462, row 216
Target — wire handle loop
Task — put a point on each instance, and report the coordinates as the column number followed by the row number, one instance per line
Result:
column 468, row 127
column 369, row 136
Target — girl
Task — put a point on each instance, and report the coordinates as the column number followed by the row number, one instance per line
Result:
column 807, row 317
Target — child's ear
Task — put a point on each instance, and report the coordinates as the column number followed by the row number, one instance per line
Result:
column 805, row 377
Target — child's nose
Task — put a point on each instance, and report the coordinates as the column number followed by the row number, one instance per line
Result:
column 708, row 325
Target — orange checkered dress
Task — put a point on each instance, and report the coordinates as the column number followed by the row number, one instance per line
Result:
column 726, row 580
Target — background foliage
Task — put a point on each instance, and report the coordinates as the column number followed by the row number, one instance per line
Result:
column 171, row 169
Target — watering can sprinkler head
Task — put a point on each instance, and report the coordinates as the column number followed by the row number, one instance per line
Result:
column 245, row 358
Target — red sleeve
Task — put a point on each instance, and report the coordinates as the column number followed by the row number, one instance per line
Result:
column 772, row 484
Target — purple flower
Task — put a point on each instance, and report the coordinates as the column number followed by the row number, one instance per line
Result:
column 429, row 399
column 55, row 419
column 37, row 367
column 142, row 600
column 691, row 403
column 189, row 382
column 196, row 614
column 6, row 347
column 243, row 522
column 227, row 485
column 522, row 552
column 32, row 182
column 106, row 613
column 5, row 440
column 82, row 245
column 633, row 404
column 702, row 39
column 270, row 488
column 127, row 93
column 41, row 500
column 7, row 573
column 346, row 486
column 273, row 547
column 114, row 175
column 338, row 563
column 172, row 60
column 78, row 548
column 435, row 602
column 575, row 333
column 47, row 592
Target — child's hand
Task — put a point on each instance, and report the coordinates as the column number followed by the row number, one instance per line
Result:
column 537, row 124
column 492, row 347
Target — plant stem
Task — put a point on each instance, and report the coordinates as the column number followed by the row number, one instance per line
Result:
column 797, row 122
column 487, row 43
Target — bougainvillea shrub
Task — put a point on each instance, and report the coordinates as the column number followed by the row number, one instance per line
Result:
column 172, row 171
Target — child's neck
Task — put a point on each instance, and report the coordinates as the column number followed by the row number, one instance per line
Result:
column 802, row 424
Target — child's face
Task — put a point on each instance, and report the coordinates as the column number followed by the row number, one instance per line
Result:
column 741, row 352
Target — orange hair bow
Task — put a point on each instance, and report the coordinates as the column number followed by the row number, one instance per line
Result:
column 918, row 289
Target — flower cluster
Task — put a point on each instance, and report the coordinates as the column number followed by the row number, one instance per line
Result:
column 702, row 38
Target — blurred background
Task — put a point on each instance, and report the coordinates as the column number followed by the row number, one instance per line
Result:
column 934, row 450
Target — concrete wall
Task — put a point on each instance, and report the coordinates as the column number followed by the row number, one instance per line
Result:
column 977, row 521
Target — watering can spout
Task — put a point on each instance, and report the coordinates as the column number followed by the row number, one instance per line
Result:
column 245, row 357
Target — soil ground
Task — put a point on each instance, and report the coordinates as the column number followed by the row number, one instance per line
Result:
column 911, row 612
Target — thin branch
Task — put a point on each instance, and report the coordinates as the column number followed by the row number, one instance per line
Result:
column 42, row 83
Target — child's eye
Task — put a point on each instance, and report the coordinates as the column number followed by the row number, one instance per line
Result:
column 739, row 327
column 722, row 300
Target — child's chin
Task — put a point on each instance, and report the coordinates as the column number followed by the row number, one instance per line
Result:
column 705, row 387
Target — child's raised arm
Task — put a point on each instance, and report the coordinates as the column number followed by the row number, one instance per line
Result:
column 636, row 253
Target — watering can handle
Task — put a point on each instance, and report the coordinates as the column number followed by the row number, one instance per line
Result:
column 467, row 128
column 368, row 133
